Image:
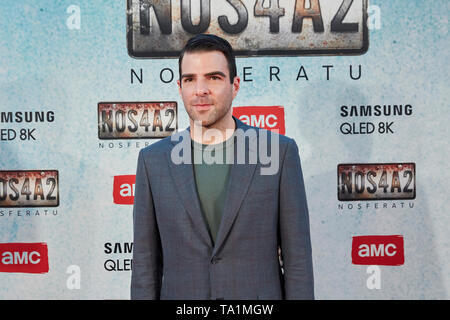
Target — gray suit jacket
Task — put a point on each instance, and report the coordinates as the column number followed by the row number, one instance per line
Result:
column 173, row 254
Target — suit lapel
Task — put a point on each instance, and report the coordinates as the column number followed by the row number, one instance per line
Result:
column 240, row 178
column 183, row 178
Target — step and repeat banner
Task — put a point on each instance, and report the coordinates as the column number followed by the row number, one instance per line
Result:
column 362, row 88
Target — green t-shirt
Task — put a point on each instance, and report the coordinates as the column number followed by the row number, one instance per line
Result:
column 211, row 171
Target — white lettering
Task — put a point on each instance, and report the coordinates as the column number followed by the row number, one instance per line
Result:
column 74, row 20
column 20, row 257
column 245, row 119
column 374, row 280
column 30, row 257
column 127, row 190
column 74, row 280
column 273, row 124
column 374, row 251
column 7, row 258
column 390, row 254
column 363, row 250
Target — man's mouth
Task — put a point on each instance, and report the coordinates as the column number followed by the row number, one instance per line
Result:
column 202, row 106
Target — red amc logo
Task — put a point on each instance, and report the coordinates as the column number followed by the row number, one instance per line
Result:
column 270, row 118
column 24, row 257
column 123, row 189
column 378, row 250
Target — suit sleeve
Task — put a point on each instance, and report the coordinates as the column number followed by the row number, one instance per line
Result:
column 146, row 273
column 294, row 229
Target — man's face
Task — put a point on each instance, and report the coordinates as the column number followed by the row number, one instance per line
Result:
column 205, row 86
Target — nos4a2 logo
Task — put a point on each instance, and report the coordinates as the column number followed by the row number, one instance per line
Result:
column 376, row 181
column 136, row 120
column 29, row 188
column 159, row 28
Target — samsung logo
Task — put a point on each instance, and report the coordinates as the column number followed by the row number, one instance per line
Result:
column 27, row 116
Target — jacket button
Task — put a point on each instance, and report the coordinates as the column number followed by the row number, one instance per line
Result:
column 215, row 260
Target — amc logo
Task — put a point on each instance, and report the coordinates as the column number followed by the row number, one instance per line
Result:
column 270, row 118
column 123, row 189
column 378, row 250
column 24, row 257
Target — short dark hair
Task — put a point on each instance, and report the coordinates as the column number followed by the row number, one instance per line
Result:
column 210, row 42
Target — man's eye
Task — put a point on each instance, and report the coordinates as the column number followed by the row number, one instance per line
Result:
column 187, row 79
column 215, row 78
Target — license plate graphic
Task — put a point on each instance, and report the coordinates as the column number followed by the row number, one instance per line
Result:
column 376, row 181
column 32, row 188
column 160, row 28
column 136, row 120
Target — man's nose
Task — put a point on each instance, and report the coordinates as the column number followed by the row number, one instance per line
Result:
column 202, row 88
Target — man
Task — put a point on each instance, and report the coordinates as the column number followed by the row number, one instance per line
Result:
column 211, row 228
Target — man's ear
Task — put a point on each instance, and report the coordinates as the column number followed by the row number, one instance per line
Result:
column 179, row 86
column 236, row 86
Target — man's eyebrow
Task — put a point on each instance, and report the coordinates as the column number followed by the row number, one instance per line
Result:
column 187, row 75
column 213, row 73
